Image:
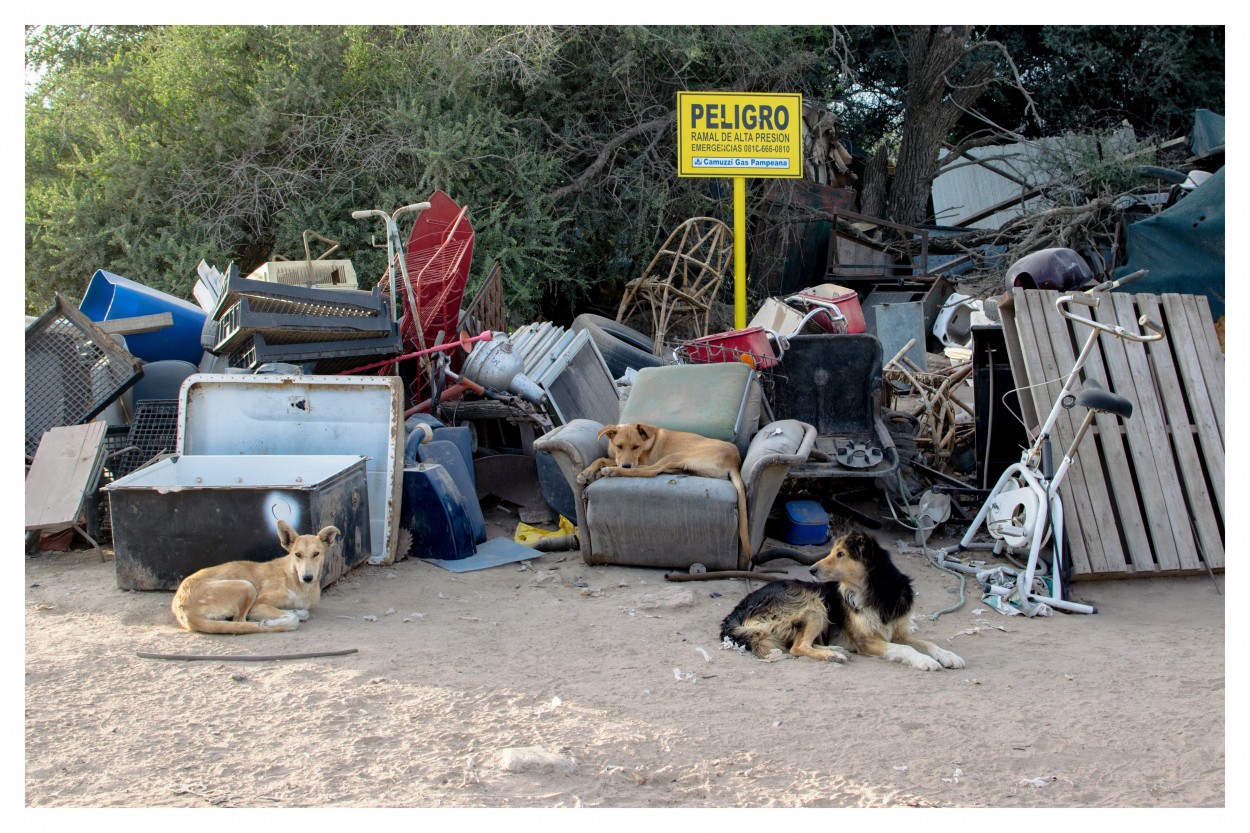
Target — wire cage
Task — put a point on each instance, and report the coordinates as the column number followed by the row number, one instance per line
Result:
column 73, row 371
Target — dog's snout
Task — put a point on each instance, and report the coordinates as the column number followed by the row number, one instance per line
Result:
column 308, row 579
column 812, row 571
column 627, row 465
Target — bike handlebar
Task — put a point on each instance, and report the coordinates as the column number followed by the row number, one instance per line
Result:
column 1091, row 301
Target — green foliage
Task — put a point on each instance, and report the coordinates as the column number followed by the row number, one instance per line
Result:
column 149, row 149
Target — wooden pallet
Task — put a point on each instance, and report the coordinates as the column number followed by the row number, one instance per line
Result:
column 1145, row 496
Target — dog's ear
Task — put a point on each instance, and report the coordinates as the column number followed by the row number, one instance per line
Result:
column 329, row 535
column 286, row 535
column 647, row 431
column 867, row 549
column 608, row 431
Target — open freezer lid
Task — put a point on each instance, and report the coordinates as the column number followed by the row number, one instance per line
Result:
column 272, row 414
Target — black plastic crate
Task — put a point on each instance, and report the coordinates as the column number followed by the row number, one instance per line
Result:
column 153, row 431
column 248, row 316
column 257, row 350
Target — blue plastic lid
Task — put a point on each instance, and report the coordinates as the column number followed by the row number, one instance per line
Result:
column 806, row 512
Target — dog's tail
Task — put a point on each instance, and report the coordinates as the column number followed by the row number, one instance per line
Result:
column 744, row 533
column 200, row 624
column 247, row 626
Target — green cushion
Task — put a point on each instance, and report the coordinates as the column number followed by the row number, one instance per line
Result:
column 704, row 399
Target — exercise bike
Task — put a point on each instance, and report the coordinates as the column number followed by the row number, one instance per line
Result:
column 1024, row 510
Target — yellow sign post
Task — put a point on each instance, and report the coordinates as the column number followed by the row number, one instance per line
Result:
column 737, row 135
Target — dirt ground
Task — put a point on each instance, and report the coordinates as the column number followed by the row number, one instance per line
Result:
column 550, row 684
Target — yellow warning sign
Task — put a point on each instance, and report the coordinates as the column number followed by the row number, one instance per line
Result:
column 740, row 134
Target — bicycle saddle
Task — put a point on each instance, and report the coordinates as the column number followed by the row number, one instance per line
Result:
column 1096, row 398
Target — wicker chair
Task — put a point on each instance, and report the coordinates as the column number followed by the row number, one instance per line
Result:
column 680, row 284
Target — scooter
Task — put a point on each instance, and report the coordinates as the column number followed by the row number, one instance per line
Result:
column 1024, row 510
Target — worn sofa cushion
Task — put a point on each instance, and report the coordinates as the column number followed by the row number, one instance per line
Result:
column 721, row 401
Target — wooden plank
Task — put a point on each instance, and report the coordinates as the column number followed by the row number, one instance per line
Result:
column 1019, row 372
column 1209, row 528
column 1190, row 371
column 137, row 324
column 1156, row 476
column 1115, row 484
column 1079, row 516
column 66, row 468
column 1087, row 460
column 1210, row 356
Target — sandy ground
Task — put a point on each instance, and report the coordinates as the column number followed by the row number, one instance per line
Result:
column 618, row 679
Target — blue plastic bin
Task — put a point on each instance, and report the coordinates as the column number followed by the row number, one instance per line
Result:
column 806, row 523
column 111, row 297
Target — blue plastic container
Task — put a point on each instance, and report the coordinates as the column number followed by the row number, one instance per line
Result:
column 448, row 455
column 806, row 523
column 111, row 297
column 431, row 509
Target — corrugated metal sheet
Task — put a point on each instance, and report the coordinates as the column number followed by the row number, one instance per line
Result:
column 964, row 191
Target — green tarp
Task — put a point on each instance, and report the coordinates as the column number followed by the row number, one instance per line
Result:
column 1183, row 247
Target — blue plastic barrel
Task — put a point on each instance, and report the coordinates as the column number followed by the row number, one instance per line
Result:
column 111, row 297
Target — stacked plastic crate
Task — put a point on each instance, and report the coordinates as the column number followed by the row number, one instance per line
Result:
column 324, row 330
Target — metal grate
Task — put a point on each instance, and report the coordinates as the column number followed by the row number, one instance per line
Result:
column 73, row 371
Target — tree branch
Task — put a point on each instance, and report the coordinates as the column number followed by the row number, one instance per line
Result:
column 605, row 154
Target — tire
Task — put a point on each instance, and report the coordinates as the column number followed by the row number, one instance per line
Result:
column 622, row 347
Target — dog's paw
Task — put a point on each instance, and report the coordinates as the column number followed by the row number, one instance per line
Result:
column 908, row 655
column 589, row 476
column 947, row 658
column 287, row 620
column 301, row 613
column 835, row 656
column 832, row 653
column 923, row 663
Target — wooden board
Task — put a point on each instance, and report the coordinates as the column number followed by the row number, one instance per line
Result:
column 65, row 470
column 1145, row 496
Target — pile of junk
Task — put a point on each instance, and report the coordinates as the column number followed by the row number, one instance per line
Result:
column 414, row 418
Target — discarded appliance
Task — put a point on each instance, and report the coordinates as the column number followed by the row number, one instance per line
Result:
column 496, row 364
column 110, row 297
column 188, row 512
column 74, row 371
column 573, row 375
column 282, row 414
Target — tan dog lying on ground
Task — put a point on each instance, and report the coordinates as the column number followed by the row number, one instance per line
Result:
column 641, row 450
column 257, row 596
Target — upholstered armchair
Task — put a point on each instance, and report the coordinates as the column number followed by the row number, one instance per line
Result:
column 677, row 520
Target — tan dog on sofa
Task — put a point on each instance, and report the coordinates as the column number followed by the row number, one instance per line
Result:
column 641, row 450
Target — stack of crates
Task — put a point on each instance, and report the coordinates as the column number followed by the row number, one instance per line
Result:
column 325, row 331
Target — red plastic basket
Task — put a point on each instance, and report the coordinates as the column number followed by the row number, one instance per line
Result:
column 847, row 302
column 751, row 346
